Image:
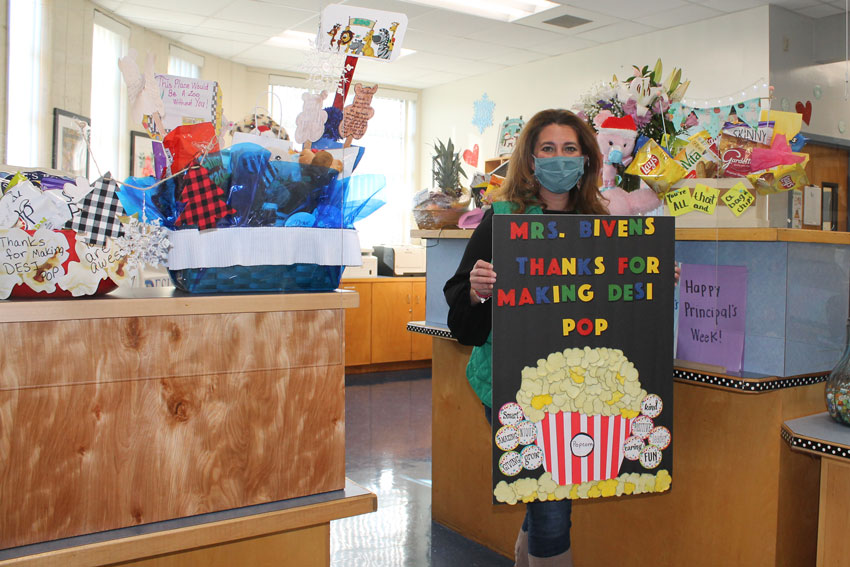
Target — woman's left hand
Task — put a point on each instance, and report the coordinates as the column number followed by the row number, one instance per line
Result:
column 676, row 272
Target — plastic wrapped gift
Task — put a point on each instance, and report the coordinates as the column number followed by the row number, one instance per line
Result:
column 242, row 222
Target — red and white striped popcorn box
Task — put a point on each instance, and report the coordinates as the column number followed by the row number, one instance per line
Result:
column 581, row 448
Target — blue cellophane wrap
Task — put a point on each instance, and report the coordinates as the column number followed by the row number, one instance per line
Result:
column 265, row 193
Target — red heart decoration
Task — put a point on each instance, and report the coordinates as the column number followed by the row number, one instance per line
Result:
column 471, row 156
column 805, row 110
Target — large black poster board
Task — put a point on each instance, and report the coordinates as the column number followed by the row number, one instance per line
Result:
column 582, row 356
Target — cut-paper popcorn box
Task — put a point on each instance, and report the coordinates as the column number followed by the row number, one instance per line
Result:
column 582, row 448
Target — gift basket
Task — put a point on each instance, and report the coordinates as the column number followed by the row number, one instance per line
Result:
column 709, row 157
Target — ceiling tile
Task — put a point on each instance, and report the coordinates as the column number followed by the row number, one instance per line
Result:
column 563, row 45
column 520, row 36
column 410, row 9
column 627, row 9
column 274, row 57
column 518, row 57
column 111, row 5
column 224, row 48
column 796, row 4
column 262, row 13
column 161, row 27
column 451, row 23
column 432, row 61
column 822, row 11
column 197, row 7
column 620, row 30
column 678, row 16
column 223, row 28
column 135, row 12
column 736, row 5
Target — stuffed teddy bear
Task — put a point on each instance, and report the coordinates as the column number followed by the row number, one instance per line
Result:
column 616, row 138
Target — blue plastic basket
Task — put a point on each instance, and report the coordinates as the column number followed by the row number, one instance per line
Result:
column 291, row 278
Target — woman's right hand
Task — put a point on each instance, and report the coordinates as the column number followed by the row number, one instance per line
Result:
column 481, row 280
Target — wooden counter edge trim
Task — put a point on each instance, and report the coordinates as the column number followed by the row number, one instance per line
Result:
column 193, row 537
column 813, row 446
column 724, row 234
column 20, row 311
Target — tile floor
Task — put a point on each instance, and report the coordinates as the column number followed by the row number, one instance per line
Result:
column 388, row 451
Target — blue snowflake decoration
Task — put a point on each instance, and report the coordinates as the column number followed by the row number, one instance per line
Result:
column 483, row 116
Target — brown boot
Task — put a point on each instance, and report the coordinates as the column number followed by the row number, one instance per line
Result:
column 521, row 549
column 565, row 559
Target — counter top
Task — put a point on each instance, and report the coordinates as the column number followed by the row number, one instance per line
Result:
column 710, row 234
column 150, row 302
column 818, row 434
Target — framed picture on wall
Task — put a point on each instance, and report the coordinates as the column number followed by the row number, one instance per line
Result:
column 70, row 153
column 141, row 154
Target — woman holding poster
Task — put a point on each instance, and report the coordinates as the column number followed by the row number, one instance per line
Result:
column 554, row 169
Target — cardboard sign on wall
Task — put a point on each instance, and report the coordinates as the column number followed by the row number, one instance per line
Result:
column 582, row 356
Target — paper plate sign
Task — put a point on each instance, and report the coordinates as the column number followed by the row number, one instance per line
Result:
column 360, row 32
column 188, row 101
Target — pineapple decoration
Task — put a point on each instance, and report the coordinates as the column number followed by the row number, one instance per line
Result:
column 443, row 207
column 447, row 169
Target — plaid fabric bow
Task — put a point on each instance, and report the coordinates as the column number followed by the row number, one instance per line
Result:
column 205, row 201
column 97, row 219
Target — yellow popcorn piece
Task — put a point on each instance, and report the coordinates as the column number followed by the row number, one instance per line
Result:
column 538, row 402
column 629, row 414
column 628, row 488
column 577, row 378
column 594, row 491
column 615, row 397
column 662, row 481
column 574, row 492
column 620, row 378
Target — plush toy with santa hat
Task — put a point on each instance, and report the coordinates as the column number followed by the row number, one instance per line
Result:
column 616, row 138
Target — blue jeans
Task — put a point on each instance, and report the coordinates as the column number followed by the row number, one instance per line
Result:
column 547, row 523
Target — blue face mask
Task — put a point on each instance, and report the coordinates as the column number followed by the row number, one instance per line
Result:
column 559, row 174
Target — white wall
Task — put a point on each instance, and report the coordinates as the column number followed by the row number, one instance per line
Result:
column 720, row 56
column 66, row 71
column 797, row 44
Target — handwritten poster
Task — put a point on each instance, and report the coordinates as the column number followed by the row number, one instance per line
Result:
column 189, row 101
column 582, row 356
column 712, row 315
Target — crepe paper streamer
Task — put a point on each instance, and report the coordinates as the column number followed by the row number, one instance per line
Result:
column 99, row 212
column 310, row 123
column 142, row 88
column 483, row 113
column 205, row 201
column 356, row 115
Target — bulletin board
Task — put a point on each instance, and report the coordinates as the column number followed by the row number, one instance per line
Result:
column 582, row 356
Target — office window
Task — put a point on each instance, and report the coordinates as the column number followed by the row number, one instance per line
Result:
column 23, row 82
column 184, row 63
column 389, row 143
column 109, row 144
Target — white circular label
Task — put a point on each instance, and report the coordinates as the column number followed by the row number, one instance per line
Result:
column 511, row 414
column 581, row 445
column 632, row 448
column 660, row 437
column 651, row 406
column 510, row 463
column 532, row 457
column 507, row 438
column 650, row 457
column 527, row 432
column 641, row 426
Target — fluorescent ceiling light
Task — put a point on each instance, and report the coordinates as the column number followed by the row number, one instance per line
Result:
column 504, row 10
column 304, row 41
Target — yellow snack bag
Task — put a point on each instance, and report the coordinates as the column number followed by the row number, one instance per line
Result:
column 779, row 179
column 656, row 168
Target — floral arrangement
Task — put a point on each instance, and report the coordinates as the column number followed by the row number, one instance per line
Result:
column 644, row 97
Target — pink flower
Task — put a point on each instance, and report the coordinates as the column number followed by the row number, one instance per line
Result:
column 661, row 104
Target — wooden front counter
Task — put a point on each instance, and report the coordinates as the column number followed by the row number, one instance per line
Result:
column 740, row 497
column 118, row 411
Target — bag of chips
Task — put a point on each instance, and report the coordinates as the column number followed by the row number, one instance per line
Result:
column 656, row 168
column 779, row 179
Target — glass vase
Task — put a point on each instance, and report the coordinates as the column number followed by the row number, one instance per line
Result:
column 838, row 387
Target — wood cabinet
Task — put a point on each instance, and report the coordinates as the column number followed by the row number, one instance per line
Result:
column 376, row 332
